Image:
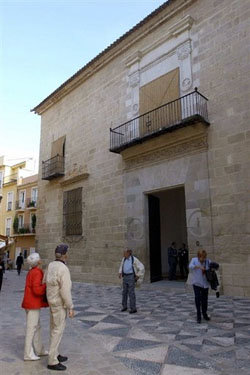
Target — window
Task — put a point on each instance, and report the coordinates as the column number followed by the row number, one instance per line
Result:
column 9, row 200
column 25, row 253
column 20, row 221
column 1, row 179
column 8, row 226
column 72, row 212
column 58, row 147
column 22, row 199
column 34, row 195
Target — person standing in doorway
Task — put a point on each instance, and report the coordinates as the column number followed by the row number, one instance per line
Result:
column 183, row 260
column 131, row 271
column 172, row 261
column 19, row 263
column 59, row 297
column 1, row 272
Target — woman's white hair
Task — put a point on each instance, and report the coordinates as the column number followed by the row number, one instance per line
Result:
column 33, row 259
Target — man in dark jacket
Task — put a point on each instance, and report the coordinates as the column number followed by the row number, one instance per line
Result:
column 172, row 261
column 183, row 260
column 19, row 263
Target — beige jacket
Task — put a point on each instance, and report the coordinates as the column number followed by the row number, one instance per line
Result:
column 58, row 283
column 138, row 269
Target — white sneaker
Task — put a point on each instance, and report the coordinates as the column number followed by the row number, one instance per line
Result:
column 33, row 358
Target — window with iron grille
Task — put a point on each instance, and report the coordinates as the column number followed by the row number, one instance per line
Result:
column 72, row 212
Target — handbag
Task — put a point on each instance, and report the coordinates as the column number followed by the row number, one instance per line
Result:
column 209, row 274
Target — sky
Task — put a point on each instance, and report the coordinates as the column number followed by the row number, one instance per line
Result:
column 43, row 43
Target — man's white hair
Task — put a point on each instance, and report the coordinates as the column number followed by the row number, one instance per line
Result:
column 33, row 259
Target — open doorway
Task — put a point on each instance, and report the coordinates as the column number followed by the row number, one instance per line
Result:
column 167, row 223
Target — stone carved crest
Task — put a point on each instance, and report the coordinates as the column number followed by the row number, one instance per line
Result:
column 183, row 51
column 186, row 84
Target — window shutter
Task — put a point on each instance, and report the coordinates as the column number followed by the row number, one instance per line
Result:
column 58, row 147
column 156, row 93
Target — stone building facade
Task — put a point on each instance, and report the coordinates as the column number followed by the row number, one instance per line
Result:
column 179, row 173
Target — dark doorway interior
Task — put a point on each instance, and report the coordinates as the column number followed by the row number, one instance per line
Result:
column 167, row 223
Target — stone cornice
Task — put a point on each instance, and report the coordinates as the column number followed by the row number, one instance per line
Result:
column 145, row 27
column 74, row 179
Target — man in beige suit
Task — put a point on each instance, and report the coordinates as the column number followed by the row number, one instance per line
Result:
column 59, row 284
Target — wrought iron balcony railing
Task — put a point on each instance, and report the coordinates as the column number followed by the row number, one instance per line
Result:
column 53, row 168
column 181, row 112
column 20, row 205
column 31, row 203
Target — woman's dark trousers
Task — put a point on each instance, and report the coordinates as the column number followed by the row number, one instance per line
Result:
column 201, row 297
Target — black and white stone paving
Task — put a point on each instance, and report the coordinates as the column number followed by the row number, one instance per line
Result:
column 162, row 338
column 164, row 335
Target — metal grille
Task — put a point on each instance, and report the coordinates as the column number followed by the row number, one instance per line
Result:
column 177, row 113
column 53, row 168
column 72, row 212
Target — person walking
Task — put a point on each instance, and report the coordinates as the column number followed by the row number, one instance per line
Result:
column 183, row 260
column 198, row 266
column 131, row 271
column 2, row 267
column 59, row 297
column 19, row 263
column 33, row 301
column 172, row 261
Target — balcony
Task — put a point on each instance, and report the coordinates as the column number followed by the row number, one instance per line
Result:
column 20, row 206
column 31, row 204
column 25, row 229
column 12, row 178
column 53, row 168
column 187, row 110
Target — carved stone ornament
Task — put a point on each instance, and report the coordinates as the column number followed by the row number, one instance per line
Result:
column 173, row 152
column 183, row 51
column 134, row 79
column 135, row 108
column 186, row 84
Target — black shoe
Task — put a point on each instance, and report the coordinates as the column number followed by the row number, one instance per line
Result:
column 206, row 317
column 199, row 320
column 133, row 311
column 58, row 367
column 124, row 309
column 217, row 294
column 61, row 358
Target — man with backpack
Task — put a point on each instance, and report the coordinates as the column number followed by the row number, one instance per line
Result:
column 131, row 271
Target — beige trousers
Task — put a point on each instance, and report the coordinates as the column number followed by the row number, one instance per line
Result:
column 58, row 316
column 33, row 342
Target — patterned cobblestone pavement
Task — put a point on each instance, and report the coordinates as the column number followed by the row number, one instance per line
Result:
column 163, row 338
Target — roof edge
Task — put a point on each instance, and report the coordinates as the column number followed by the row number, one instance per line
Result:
column 99, row 61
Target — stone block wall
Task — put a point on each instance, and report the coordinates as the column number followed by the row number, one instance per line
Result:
column 215, row 175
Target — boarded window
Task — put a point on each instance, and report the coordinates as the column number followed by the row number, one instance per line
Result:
column 58, row 147
column 156, row 93
column 72, row 212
